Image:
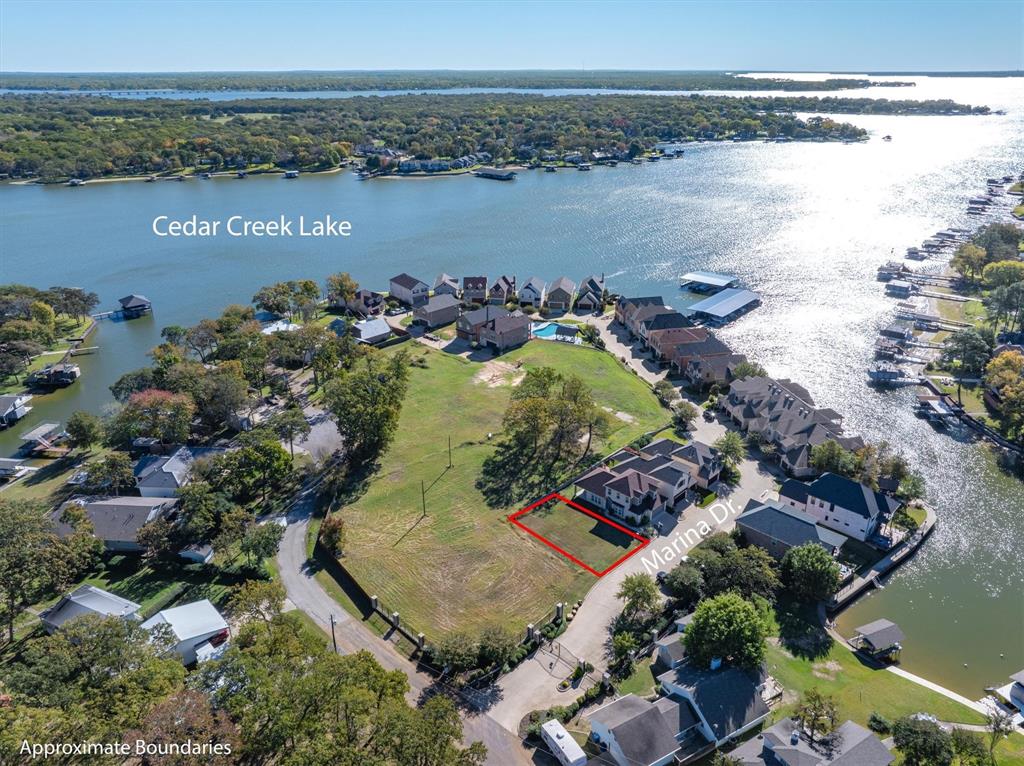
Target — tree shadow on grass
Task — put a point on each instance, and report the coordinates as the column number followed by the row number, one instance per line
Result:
column 516, row 473
column 801, row 634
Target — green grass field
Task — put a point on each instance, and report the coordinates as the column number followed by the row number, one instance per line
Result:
column 463, row 565
column 595, row 543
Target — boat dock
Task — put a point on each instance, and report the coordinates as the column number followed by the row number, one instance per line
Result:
column 870, row 579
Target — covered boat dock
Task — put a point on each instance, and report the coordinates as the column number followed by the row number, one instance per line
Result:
column 725, row 306
column 706, row 282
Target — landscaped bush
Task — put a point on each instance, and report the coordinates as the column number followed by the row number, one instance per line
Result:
column 879, row 724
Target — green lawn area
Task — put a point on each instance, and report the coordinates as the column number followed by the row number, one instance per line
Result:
column 595, row 543
column 857, row 688
column 49, row 483
column 65, row 328
column 463, row 565
column 641, row 681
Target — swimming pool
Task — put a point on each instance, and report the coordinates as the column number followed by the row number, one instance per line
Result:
column 550, row 331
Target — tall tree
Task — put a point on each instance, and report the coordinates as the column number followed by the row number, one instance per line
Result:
column 84, row 430
column 726, row 627
column 810, row 573
column 817, row 713
column 26, row 537
column 640, row 593
column 290, row 424
column 966, row 353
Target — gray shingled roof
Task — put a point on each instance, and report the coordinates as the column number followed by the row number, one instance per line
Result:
column 562, row 283
column 407, row 281
column 115, row 519
column 784, row 744
column 787, row 525
column 852, row 495
column 639, row 728
column 881, row 634
column 439, row 303
column 728, row 698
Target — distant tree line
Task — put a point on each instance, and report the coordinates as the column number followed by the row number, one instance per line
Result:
column 421, row 80
column 58, row 136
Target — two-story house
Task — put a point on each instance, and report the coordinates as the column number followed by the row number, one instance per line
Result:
column 502, row 291
column 591, row 294
column 560, row 294
column 409, row 290
column 841, row 504
column 533, row 292
column 474, row 290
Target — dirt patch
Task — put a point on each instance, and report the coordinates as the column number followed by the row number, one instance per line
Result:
column 494, row 374
column 827, row 671
column 623, row 416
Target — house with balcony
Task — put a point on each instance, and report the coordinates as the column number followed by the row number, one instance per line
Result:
column 844, row 505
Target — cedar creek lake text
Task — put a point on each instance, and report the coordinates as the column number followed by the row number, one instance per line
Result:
column 240, row 226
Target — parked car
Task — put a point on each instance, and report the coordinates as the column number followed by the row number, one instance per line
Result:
column 709, row 416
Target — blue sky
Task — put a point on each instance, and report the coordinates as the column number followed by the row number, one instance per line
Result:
column 822, row 35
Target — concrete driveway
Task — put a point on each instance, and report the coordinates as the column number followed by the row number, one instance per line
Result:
column 532, row 685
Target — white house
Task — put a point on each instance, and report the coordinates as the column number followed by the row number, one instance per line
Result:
column 840, row 504
column 533, row 292
column 632, row 731
column 409, row 290
column 88, row 599
column 13, row 407
column 195, row 627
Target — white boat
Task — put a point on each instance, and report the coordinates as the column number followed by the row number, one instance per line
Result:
column 291, row 174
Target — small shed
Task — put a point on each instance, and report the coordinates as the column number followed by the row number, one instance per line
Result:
column 881, row 638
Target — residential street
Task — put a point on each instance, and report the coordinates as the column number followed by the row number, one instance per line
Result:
column 532, row 685
column 305, row 593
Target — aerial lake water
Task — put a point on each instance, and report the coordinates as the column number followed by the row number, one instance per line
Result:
column 804, row 224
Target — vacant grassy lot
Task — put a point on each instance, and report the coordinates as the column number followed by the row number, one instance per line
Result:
column 463, row 565
column 595, row 543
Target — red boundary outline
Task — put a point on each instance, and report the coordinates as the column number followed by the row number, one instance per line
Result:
column 514, row 518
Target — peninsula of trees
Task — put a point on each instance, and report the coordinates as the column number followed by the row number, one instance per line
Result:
column 58, row 136
column 422, row 80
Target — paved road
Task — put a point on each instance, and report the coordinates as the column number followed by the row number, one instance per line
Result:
column 305, row 593
column 532, row 685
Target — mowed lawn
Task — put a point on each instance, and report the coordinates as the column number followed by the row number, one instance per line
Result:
column 596, row 543
column 463, row 565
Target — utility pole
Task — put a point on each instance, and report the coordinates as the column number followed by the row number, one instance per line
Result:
column 449, row 450
column 423, row 495
column 334, row 638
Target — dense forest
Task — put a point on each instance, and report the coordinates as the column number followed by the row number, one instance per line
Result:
column 57, row 136
column 419, row 80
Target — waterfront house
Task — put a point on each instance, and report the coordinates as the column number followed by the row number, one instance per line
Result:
column 841, row 504
column 643, row 314
column 85, row 600
column 782, row 413
column 116, row 521
column 164, row 475
column 725, row 306
column 13, row 407
column 502, row 291
column 365, row 303
column 474, row 290
column 624, row 307
column 438, row 310
column 681, row 353
column 408, row 290
column 135, row 306
column 561, row 744
column 660, row 322
column 371, row 331
column 504, row 332
column 591, row 294
column 197, row 630
column 663, row 342
column 787, row 744
column 881, row 639
column 445, row 284
column 560, row 294
column 628, row 496
column 778, row 527
column 533, row 292
column 728, row 701
column 704, row 372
